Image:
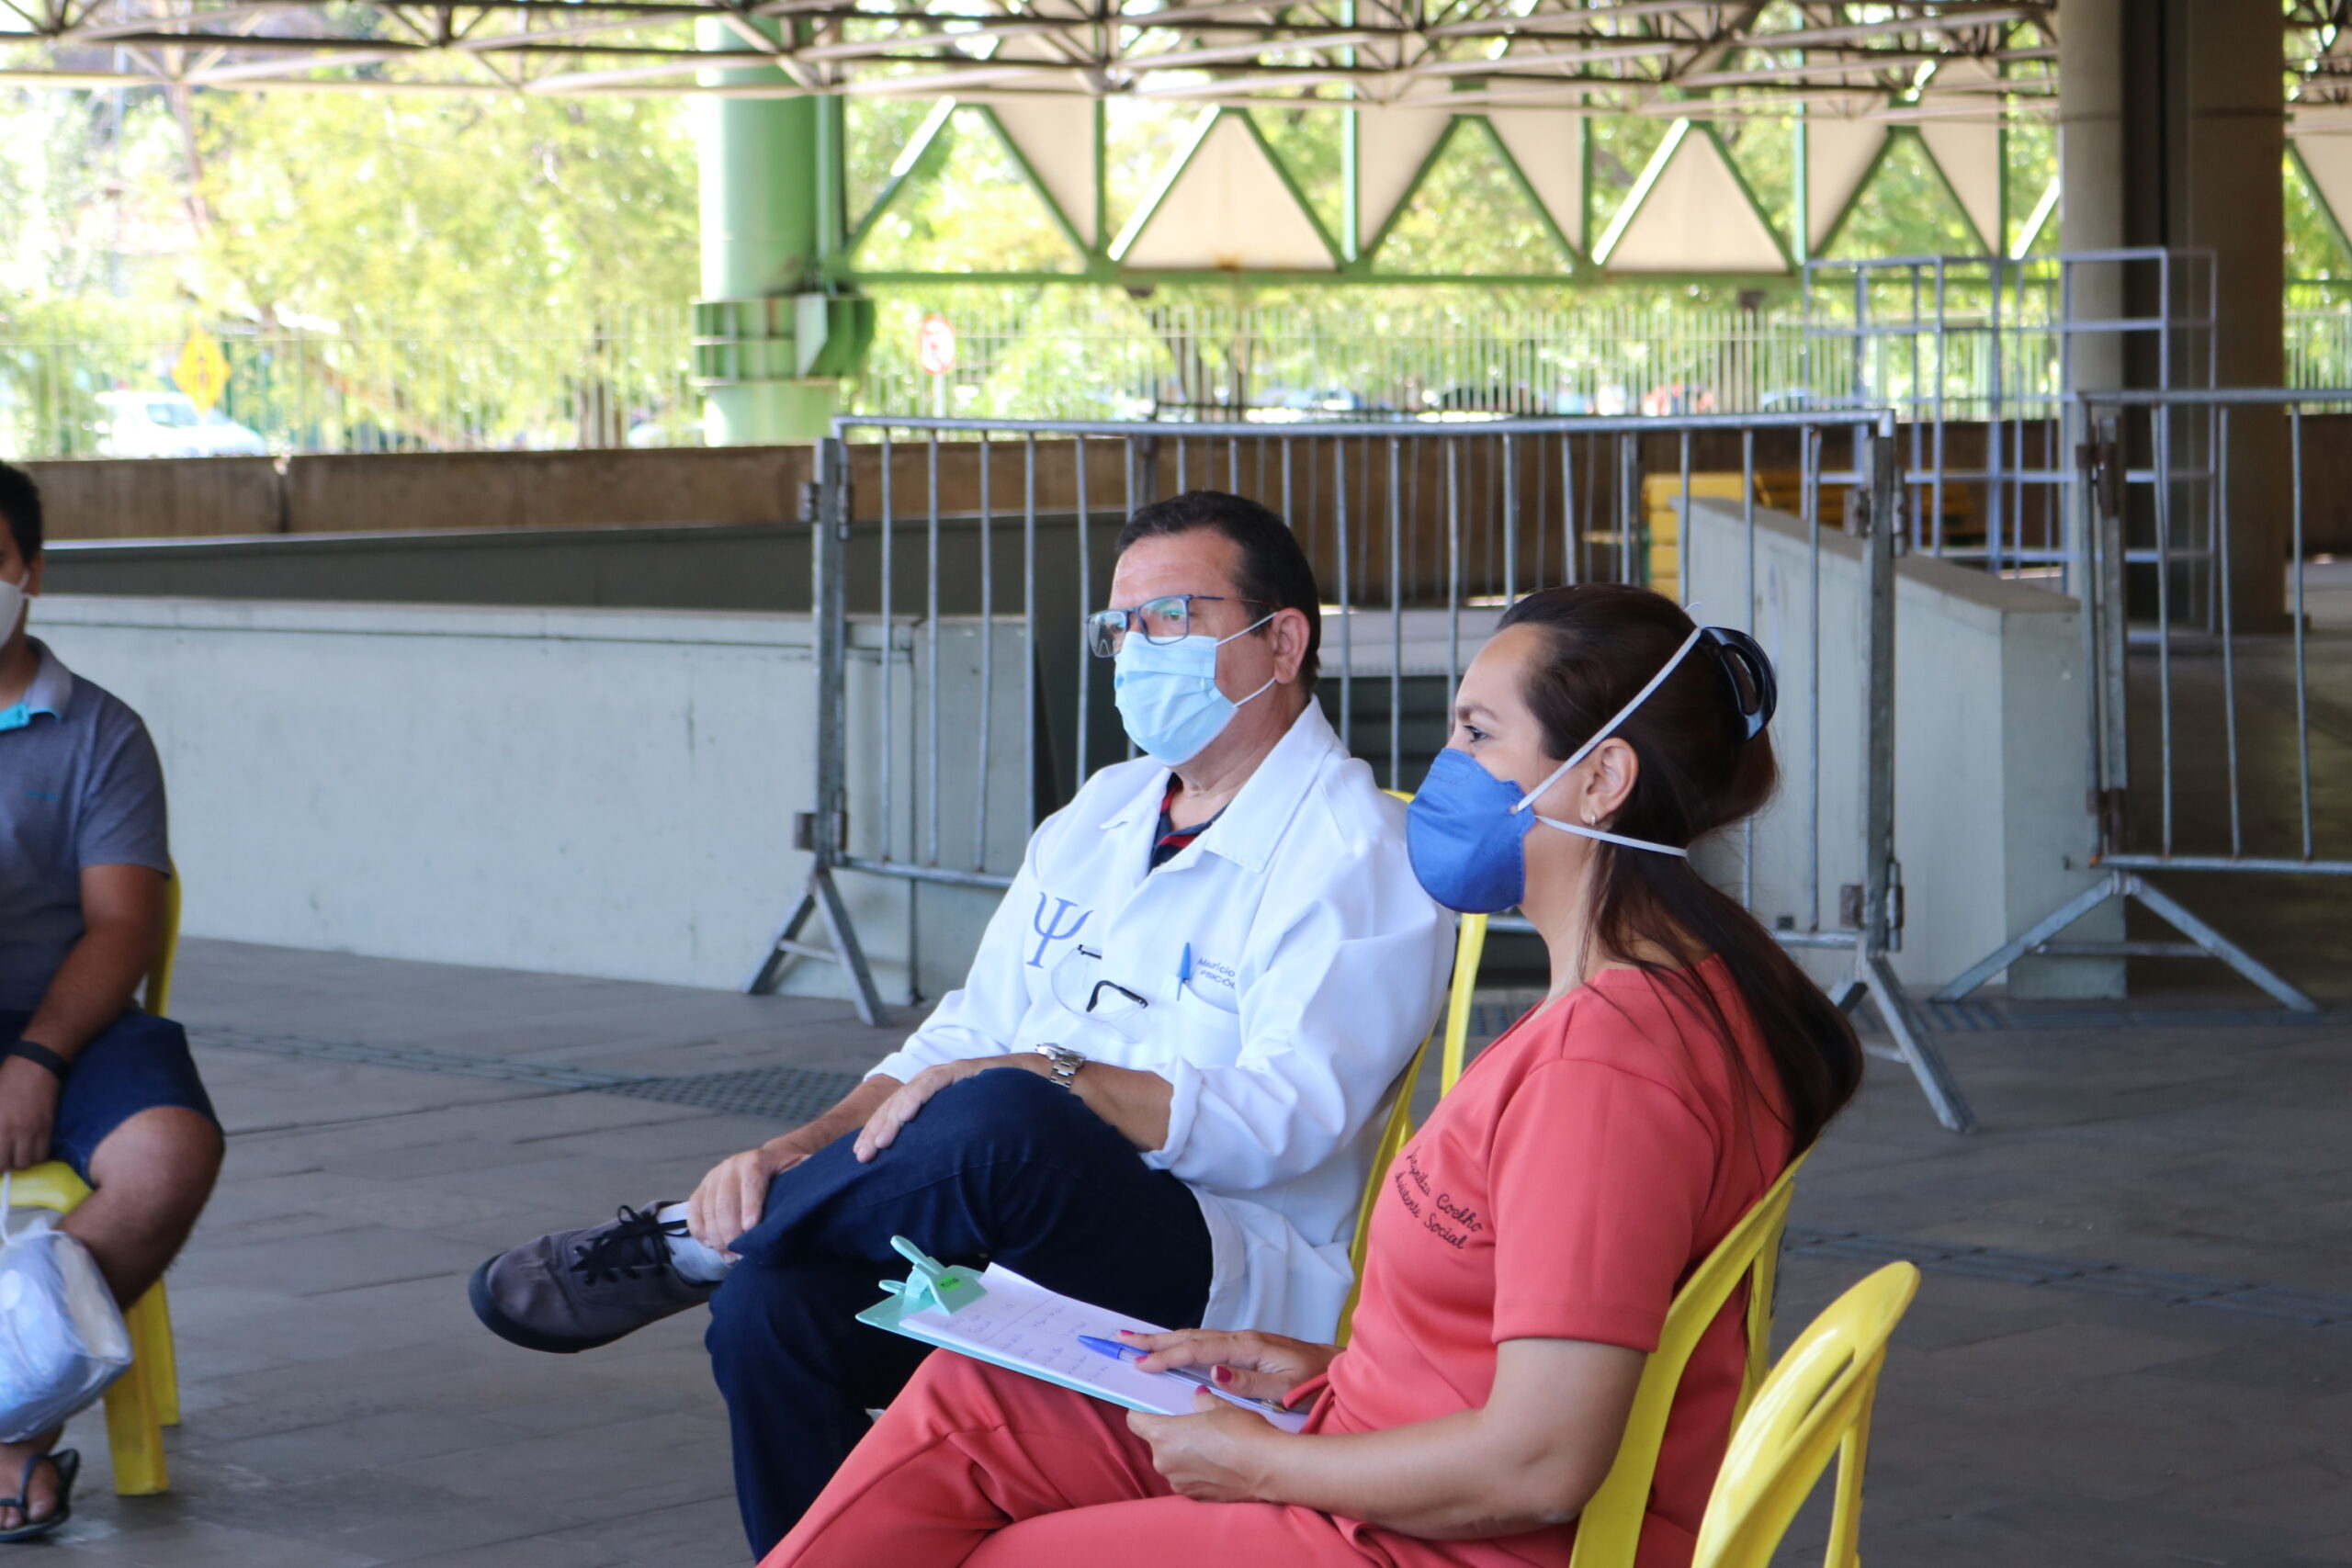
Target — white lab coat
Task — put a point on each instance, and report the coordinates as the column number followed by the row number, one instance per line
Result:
column 1317, row 965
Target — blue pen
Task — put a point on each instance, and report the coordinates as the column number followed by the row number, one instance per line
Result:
column 1185, row 964
column 1119, row 1352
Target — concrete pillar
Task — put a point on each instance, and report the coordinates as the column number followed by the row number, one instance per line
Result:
column 2233, row 144
column 763, row 229
column 2090, row 178
column 2172, row 132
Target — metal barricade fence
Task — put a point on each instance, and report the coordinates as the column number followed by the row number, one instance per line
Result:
column 953, row 560
column 2200, row 727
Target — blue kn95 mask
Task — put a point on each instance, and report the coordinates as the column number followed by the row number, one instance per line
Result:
column 1466, row 829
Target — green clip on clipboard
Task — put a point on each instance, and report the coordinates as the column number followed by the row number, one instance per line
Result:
column 1008, row 1321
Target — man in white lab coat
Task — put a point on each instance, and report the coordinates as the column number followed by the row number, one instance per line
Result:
column 1159, row 1087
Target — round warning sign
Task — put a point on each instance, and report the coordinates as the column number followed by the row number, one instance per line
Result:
column 935, row 346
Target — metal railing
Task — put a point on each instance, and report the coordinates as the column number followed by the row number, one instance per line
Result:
column 623, row 381
column 1979, row 356
column 2200, row 728
column 1369, row 356
column 1079, row 353
column 956, row 701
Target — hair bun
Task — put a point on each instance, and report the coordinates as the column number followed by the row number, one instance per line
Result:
column 1755, row 693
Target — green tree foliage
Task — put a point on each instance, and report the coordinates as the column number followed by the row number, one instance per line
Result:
column 1622, row 147
column 967, row 206
column 1470, row 215
column 1905, row 209
column 1140, row 138
column 1309, row 141
column 1764, row 149
column 94, row 206
column 494, row 211
column 2316, row 248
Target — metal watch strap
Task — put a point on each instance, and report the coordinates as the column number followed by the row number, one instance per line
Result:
column 33, row 1051
column 1065, row 1064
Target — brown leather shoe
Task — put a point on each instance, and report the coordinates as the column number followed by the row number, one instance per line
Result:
column 576, row 1289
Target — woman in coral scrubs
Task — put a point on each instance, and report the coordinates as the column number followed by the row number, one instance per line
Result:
column 1526, row 1243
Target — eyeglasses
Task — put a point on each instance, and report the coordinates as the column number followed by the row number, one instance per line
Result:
column 1166, row 619
column 1079, row 983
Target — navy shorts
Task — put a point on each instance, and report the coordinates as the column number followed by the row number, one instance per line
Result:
column 135, row 1064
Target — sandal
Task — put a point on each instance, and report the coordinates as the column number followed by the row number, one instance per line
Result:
column 67, row 1463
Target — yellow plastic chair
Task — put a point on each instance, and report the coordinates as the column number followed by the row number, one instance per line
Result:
column 1469, row 945
column 1611, row 1527
column 1815, row 1405
column 145, row 1399
column 1469, row 952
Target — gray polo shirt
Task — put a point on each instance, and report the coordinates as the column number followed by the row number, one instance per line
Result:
column 79, row 785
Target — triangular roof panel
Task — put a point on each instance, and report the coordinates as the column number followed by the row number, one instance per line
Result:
column 1224, row 207
column 1056, row 136
column 1968, row 153
column 2328, row 161
column 1690, row 212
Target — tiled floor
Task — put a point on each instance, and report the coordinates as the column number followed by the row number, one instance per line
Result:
column 343, row 1408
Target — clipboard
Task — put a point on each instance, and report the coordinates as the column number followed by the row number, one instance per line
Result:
column 1009, row 1321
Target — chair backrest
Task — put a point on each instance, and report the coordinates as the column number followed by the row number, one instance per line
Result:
column 157, row 999
column 1469, row 950
column 1815, row 1404
column 1609, row 1529
column 1470, row 942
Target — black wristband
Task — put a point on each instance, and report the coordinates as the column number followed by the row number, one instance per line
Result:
column 41, row 1055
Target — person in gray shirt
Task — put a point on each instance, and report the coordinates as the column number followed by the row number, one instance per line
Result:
column 84, row 1077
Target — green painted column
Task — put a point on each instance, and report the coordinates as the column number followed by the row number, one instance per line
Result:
column 771, row 347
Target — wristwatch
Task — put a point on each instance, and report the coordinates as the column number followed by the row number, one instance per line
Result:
column 1064, row 1065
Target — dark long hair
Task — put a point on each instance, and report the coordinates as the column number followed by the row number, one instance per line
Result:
column 1697, row 775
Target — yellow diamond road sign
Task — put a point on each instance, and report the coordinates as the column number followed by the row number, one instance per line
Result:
column 202, row 370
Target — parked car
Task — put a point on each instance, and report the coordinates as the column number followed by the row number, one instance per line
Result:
column 169, row 424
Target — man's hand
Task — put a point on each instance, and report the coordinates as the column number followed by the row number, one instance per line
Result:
column 1221, row 1454
column 27, row 1111
column 882, row 1127
column 732, row 1197
column 1253, row 1365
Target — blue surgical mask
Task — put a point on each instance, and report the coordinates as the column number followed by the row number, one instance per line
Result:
column 1168, row 696
column 1466, row 829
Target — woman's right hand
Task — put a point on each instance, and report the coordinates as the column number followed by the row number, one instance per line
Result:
column 1254, row 1365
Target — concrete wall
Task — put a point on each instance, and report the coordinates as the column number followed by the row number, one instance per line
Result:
column 167, row 498
column 1990, row 754
column 722, row 566
column 108, row 499
column 604, row 793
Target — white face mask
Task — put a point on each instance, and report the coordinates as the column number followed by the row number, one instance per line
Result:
column 12, row 603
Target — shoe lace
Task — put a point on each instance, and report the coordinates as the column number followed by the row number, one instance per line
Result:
column 640, row 1241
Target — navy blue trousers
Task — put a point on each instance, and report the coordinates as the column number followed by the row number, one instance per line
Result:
column 1002, row 1166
